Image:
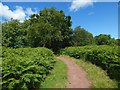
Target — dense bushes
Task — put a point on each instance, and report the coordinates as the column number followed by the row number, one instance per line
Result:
column 105, row 56
column 25, row 67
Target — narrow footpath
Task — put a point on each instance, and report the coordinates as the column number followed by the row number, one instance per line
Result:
column 76, row 75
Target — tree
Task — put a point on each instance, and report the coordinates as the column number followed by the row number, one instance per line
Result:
column 103, row 39
column 13, row 35
column 81, row 37
column 50, row 28
column 118, row 42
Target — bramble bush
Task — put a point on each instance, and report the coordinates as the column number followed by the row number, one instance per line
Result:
column 25, row 68
column 107, row 57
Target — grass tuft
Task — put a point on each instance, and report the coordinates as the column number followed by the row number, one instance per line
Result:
column 58, row 76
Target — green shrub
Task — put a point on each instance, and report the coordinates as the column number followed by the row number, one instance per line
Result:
column 25, row 68
column 107, row 57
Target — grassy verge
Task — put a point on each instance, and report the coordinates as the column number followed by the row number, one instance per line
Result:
column 96, row 75
column 58, row 77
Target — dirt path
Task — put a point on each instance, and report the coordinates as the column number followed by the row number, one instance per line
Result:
column 76, row 75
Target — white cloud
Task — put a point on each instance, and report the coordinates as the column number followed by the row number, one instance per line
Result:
column 19, row 13
column 76, row 4
column 29, row 11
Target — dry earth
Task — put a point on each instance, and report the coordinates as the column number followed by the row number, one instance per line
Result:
column 76, row 75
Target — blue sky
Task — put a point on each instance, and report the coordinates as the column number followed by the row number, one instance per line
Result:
column 97, row 18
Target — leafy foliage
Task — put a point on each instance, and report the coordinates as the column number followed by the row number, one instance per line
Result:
column 50, row 28
column 81, row 37
column 108, row 57
column 25, row 68
column 13, row 34
column 104, row 39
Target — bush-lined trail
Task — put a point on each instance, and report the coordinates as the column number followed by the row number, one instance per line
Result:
column 76, row 75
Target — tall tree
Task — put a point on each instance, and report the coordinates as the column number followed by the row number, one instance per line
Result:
column 81, row 37
column 103, row 39
column 49, row 28
column 13, row 35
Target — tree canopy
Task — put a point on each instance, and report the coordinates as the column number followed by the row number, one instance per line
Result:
column 13, row 34
column 81, row 37
column 104, row 39
column 50, row 28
